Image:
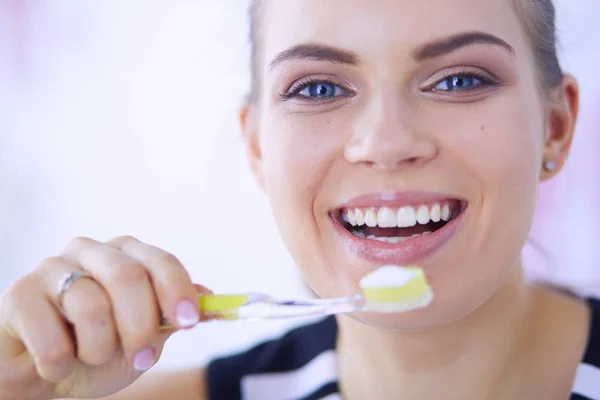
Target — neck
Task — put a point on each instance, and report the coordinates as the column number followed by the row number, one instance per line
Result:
column 483, row 344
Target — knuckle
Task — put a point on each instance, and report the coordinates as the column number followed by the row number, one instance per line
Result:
column 78, row 242
column 16, row 294
column 55, row 355
column 128, row 272
column 8, row 305
column 97, row 357
column 123, row 239
column 141, row 338
column 81, row 241
column 99, row 351
column 98, row 310
column 50, row 263
column 55, row 373
column 164, row 257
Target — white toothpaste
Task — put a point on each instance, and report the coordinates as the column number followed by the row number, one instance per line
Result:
column 387, row 276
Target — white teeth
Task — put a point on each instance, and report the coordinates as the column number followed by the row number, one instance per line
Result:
column 423, row 216
column 406, row 217
column 395, row 240
column 446, row 212
column 392, row 240
column 426, row 233
column 360, row 217
column 403, row 217
column 436, row 213
column 379, row 239
column 371, row 218
column 386, row 218
column 351, row 217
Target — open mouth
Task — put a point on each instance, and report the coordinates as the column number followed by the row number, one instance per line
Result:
column 398, row 224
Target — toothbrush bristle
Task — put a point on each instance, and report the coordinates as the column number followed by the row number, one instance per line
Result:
column 411, row 288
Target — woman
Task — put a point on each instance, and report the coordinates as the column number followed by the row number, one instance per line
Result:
column 383, row 132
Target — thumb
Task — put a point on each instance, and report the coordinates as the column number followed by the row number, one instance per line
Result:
column 203, row 289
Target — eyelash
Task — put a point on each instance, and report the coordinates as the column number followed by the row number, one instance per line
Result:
column 298, row 87
column 485, row 81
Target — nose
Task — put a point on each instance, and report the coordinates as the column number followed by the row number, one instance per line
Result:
column 386, row 136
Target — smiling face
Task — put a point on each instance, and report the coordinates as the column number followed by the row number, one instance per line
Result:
column 399, row 132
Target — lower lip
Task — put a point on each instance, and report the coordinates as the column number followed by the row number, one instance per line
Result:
column 410, row 252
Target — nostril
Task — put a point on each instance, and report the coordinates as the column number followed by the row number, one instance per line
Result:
column 388, row 165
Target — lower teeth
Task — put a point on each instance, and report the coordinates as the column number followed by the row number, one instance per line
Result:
column 391, row 240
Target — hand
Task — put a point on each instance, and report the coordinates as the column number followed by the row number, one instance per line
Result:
column 105, row 333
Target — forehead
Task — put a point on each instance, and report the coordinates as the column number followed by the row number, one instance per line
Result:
column 382, row 27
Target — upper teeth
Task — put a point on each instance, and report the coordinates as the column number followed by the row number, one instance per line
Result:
column 403, row 217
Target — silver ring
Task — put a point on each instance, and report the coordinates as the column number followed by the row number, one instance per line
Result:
column 67, row 281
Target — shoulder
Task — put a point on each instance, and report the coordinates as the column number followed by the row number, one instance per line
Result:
column 298, row 348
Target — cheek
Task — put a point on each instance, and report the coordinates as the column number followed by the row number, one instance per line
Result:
column 298, row 152
column 499, row 149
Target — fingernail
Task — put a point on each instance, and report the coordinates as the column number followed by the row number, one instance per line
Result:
column 144, row 360
column 187, row 314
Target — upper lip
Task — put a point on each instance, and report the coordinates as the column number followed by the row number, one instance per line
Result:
column 397, row 199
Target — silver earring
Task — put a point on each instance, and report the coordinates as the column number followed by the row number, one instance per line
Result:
column 549, row 166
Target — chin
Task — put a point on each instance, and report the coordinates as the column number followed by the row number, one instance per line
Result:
column 421, row 319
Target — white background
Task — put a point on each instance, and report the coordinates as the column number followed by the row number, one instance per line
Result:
column 119, row 117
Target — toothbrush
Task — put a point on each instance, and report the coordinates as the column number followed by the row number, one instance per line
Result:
column 389, row 289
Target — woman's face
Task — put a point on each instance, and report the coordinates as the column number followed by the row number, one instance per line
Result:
column 380, row 121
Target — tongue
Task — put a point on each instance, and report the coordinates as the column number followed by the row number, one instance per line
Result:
column 400, row 232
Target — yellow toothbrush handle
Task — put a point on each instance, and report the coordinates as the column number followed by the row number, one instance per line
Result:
column 220, row 303
column 220, row 306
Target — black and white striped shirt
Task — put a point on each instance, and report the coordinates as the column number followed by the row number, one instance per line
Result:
column 301, row 365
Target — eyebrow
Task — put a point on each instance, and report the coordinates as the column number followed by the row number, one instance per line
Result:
column 445, row 46
column 317, row 52
column 437, row 48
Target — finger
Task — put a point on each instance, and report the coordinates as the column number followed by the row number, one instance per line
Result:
column 200, row 289
column 41, row 328
column 177, row 295
column 88, row 308
column 131, row 293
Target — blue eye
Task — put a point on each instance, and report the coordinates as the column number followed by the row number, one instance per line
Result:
column 457, row 83
column 320, row 90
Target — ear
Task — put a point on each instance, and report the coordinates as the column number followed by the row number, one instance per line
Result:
column 563, row 110
column 249, row 126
